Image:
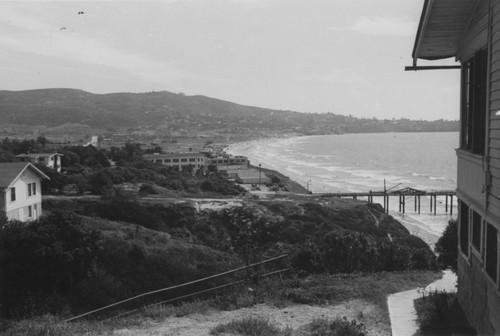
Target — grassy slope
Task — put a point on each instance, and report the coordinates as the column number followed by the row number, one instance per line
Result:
column 336, row 289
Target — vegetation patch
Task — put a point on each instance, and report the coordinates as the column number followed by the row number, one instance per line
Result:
column 439, row 313
column 447, row 247
column 251, row 327
column 337, row 327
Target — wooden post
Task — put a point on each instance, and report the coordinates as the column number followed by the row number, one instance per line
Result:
column 446, row 204
column 435, row 201
column 451, row 205
column 399, row 203
column 430, row 197
column 419, row 204
column 404, row 203
column 387, row 209
column 415, row 201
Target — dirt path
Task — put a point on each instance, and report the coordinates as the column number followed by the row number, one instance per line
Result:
column 295, row 316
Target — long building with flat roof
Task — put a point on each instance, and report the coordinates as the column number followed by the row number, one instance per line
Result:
column 197, row 160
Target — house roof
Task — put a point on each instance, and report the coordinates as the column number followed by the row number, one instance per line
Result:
column 171, row 155
column 251, row 173
column 442, row 25
column 36, row 155
column 10, row 171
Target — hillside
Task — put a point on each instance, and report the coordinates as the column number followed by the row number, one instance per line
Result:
column 166, row 112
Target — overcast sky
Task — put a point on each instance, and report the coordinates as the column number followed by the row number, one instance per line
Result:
column 339, row 56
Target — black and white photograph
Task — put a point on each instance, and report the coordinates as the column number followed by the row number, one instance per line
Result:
column 250, row 167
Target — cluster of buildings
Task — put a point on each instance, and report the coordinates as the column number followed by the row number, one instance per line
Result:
column 21, row 182
column 237, row 167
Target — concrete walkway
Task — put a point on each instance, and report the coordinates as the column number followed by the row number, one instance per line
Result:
column 401, row 309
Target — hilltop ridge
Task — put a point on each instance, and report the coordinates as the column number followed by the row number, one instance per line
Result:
column 166, row 111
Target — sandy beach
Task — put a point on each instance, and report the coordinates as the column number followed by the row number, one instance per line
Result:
column 278, row 154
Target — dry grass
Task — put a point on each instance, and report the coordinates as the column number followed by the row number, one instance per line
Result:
column 363, row 295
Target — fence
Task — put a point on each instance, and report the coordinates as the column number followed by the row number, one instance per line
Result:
column 190, row 295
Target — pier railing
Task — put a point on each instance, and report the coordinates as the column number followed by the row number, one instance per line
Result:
column 402, row 195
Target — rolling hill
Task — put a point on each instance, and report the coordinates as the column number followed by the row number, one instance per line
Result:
column 156, row 110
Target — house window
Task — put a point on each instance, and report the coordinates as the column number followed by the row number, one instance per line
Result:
column 192, row 160
column 13, row 194
column 491, row 264
column 30, row 211
column 175, row 160
column 184, row 160
column 474, row 81
column 476, row 231
column 464, row 228
column 31, row 189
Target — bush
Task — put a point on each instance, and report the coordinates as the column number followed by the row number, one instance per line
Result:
column 250, row 327
column 447, row 247
column 147, row 189
column 348, row 252
column 43, row 261
column 439, row 313
column 338, row 327
column 126, row 211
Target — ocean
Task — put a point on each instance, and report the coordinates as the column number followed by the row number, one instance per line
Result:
column 364, row 162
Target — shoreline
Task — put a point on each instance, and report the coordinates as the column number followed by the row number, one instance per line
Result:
column 427, row 226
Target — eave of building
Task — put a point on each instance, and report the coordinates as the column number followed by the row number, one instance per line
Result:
column 442, row 25
column 13, row 170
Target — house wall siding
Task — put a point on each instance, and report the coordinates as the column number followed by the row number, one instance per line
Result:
column 473, row 295
column 18, row 208
column 479, row 296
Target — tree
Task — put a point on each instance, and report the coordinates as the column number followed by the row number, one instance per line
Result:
column 100, row 182
column 42, row 141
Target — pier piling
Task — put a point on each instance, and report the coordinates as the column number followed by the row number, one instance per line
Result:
column 402, row 194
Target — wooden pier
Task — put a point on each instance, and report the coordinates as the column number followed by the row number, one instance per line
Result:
column 403, row 195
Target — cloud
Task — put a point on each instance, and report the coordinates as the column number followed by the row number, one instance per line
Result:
column 382, row 26
column 33, row 35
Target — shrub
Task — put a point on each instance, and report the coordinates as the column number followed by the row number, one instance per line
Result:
column 147, row 189
column 251, row 326
column 338, row 327
column 126, row 211
column 447, row 247
column 439, row 313
column 43, row 261
column 347, row 252
column 51, row 326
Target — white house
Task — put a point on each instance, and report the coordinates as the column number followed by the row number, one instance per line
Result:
column 21, row 190
column 51, row 160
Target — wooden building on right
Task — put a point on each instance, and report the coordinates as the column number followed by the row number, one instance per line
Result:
column 469, row 31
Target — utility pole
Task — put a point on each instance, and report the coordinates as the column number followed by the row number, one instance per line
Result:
column 260, row 171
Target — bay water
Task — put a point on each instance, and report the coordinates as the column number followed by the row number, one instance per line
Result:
column 364, row 162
